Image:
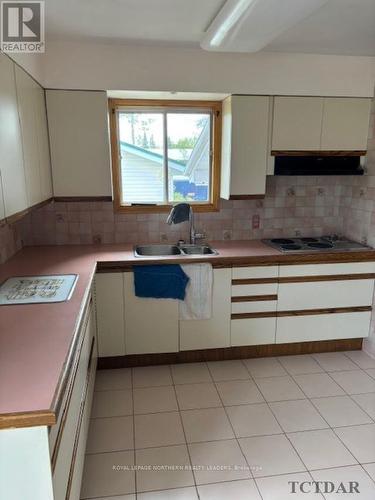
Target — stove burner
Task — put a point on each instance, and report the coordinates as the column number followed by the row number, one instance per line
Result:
column 291, row 246
column 282, row 241
column 320, row 245
column 309, row 240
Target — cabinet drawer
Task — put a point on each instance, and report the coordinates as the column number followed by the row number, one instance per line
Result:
column 255, row 272
column 322, row 327
column 257, row 289
column 327, row 269
column 325, row 294
column 253, row 331
column 253, row 307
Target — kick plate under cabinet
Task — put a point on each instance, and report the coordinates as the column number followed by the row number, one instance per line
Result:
column 37, row 289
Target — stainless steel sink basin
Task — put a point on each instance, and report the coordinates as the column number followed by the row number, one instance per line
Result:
column 198, row 250
column 156, row 250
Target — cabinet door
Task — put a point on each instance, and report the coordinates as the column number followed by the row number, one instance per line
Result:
column 151, row 325
column 78, row 128
column 12, row 171
column 253, row 331
column 214, row 332
column 27, row 94
column 297, row 123
column 2, row 207
column 109, row 299
column 43, row 146
column 345, row 124
column 245, row 145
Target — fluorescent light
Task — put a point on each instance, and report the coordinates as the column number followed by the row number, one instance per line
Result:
column 234, row 12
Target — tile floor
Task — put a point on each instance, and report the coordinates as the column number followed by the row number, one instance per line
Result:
column 233, row 429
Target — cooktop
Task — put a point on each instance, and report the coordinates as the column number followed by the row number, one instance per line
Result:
column 37, row 289
column 315, row 244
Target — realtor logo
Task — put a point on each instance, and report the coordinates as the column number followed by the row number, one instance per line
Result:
column 22, row 26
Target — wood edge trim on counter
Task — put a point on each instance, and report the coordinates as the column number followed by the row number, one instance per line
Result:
column 254, row 298
column 235, row 352
column 294, row 152
column 27, row 419
column 301, row 312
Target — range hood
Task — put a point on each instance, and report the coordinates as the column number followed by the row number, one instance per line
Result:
column 318, row 165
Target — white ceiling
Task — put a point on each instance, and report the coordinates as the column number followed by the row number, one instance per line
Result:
column 339, row 27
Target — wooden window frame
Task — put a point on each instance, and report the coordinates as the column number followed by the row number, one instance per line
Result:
column 214, row 106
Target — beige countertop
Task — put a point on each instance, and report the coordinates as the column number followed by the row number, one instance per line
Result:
column 36, row 339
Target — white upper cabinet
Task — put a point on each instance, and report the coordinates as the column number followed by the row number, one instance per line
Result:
column 12, row 170
column 27, row 92
column 43, row 145
column 320, row 124
column 345, row 124
column 297, row 123
column 78, row 128
column 245, row 145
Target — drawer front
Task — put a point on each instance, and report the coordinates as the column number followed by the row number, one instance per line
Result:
column 253, row 331
column 255, row 272
column 253, row 307
column 322, row 327
column 62, row 458
column 257, row 289
column 325, row 294
column 327, row 269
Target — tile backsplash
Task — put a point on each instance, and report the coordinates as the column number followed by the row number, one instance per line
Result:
column 292, row 205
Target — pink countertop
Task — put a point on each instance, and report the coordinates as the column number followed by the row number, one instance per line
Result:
column 35, row 339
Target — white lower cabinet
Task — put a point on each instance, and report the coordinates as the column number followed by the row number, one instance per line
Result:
column 253, row 331
column 214, row 332
column 151, row 325
column 322, row 327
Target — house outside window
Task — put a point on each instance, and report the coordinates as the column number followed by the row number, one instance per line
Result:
column 165, row 152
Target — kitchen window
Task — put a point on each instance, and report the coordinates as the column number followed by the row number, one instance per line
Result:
column 165, row 152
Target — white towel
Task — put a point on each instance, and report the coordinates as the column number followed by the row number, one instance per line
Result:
column 198, row 297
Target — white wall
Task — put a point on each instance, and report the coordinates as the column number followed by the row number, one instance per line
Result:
column 77, row 65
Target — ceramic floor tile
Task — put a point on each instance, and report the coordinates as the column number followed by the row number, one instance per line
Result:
column 354, row 382
column 340, row 411
column 296, row 416
column 302, row 364
column 228, row 370
column 158, row 429
column 206, row 425
column 192, row 396
column 113, row 379
column 321, row 449
column 112, row 403
column 105, row 474
column 253, row 420
column 189, row 493
column 370, row 469
column 120, row 497
column 169, row 467
column 371, row 372
column 264, row 367
column 244, row 489
column 270, row 455
column 365, row 488
column 361, row 359
column 360, row 440
column 366, row 402
column 154, row 399
column 218, row 461
column 286, row 487
column 334, row 361
column 279, row 389
column 317, row 385
column 190, row 373
column 239, row 392
column 110, row 434
column 152, row 376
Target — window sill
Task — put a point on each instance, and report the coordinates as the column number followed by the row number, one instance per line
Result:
column 153, row 209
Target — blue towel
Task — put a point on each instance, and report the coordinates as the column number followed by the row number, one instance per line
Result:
column 160, row 282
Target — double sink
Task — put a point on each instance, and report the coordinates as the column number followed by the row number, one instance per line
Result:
column 165, row 250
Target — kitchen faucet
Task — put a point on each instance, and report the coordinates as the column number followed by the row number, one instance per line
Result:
column 184, row 212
